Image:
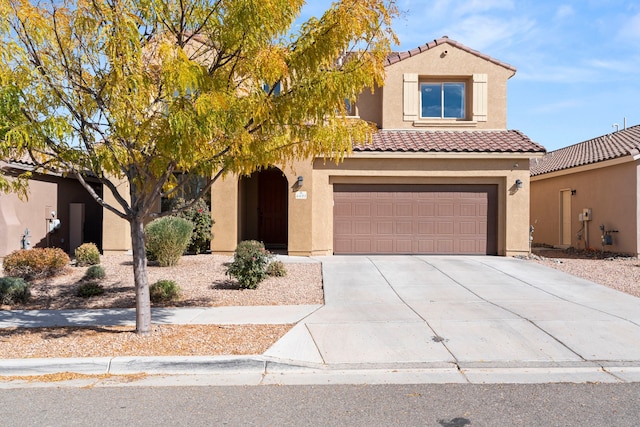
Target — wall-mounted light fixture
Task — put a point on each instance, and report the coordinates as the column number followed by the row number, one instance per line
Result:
column 573, row 192
column 518, row 184
column 299, row 181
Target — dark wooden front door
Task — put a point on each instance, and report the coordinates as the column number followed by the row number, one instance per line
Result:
column 272, row 208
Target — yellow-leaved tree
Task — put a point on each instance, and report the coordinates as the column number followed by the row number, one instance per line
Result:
column 139, row 90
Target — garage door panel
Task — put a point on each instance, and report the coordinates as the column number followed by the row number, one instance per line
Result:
column 362, row 246
column 361, row 209
column 361, row 228
column 445, row 209
column 404, row 208
column 384, row 246
column 426, row 246
column 445, row 246
column 426, row 228
column 385, row 228
column 469, row 228
column 404, row 227
column 404, row 246
column 424, row 219
column 444, row 228
column 469, row 210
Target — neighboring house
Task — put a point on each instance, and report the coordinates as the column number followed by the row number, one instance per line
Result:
column 581, row 190
column 59, row 212
column 442, row 176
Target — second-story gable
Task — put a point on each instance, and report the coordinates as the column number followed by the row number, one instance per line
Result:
column 442, row 85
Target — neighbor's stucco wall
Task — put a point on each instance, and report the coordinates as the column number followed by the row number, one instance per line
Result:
column 17, row 215
column 456, row 63
column 311, row 219
column 47, row 194
column 612, row 194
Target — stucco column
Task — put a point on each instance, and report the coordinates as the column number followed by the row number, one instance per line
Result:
column 116, row 232
column 301, row 202
column 224, row 211
column 517, row 212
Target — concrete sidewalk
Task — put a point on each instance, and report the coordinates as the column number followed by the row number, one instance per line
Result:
column 403, row 319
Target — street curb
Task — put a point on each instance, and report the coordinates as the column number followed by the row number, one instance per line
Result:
column 260, row 370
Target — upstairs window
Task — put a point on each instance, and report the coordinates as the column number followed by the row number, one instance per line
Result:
column 276, row 89
column 442, row 100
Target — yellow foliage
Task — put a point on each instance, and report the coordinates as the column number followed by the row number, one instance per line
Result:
column 140, row 89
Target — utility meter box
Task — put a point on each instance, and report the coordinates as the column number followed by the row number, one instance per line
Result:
column 586, row 214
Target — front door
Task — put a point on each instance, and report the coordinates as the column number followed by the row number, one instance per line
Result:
column 565, row 218
column 273, row 208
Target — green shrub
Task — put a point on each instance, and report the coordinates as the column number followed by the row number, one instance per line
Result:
column 14, row 290
column 87, row 254
column 200, row 216
column 164, row 291
column 35, row 263
column 90, row 289
column 167, row 238
column 276, row 269
column 95, row 272
column 249, row 265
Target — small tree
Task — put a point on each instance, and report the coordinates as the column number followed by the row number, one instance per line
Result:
column 137, row 91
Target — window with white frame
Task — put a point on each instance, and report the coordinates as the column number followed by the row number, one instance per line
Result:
column 442, row 100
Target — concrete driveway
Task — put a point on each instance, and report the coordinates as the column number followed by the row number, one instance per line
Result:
column 482, row 318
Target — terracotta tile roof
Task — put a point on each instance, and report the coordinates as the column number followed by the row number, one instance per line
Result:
column 399, row 56
column 497, row 141
column 606, row 147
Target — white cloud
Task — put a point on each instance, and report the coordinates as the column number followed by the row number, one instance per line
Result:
column 564, row 11
column 631, row 28
column 557, row 107
column 478, row 6
column 482, row 32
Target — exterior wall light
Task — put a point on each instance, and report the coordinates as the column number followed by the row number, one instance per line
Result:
column 518, row 184
column 299, row 181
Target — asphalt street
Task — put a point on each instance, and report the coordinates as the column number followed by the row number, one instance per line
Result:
column 449, row 405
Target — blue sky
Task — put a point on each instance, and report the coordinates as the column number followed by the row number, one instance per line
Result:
column 578, row 61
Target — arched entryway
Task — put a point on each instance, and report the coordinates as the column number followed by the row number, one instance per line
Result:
column 264, row 206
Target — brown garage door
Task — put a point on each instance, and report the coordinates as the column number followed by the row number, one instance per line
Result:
column 415, row 219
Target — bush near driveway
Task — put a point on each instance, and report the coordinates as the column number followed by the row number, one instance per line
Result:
column 249, row 266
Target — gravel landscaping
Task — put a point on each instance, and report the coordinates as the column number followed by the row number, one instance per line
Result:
column 614, row 271
column 204, row 283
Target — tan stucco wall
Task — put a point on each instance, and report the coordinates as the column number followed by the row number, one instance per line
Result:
column 227, row 209
column 311, row 219
column 612, row 194
column 47, row 194
column 16, row 215
column 455, row 63
column 116, row 232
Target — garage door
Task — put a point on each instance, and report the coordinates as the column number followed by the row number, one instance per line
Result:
column 415, row 219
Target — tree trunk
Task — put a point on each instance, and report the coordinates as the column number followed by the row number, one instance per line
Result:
column 143, row 302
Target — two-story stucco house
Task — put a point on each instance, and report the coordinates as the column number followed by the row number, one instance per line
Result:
column 443, row 174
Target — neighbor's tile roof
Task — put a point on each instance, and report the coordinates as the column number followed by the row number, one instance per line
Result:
column 400, row 56
column 497, row 141
column 606, row 147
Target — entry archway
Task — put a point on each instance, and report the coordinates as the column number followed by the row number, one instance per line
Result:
column 264, row 207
